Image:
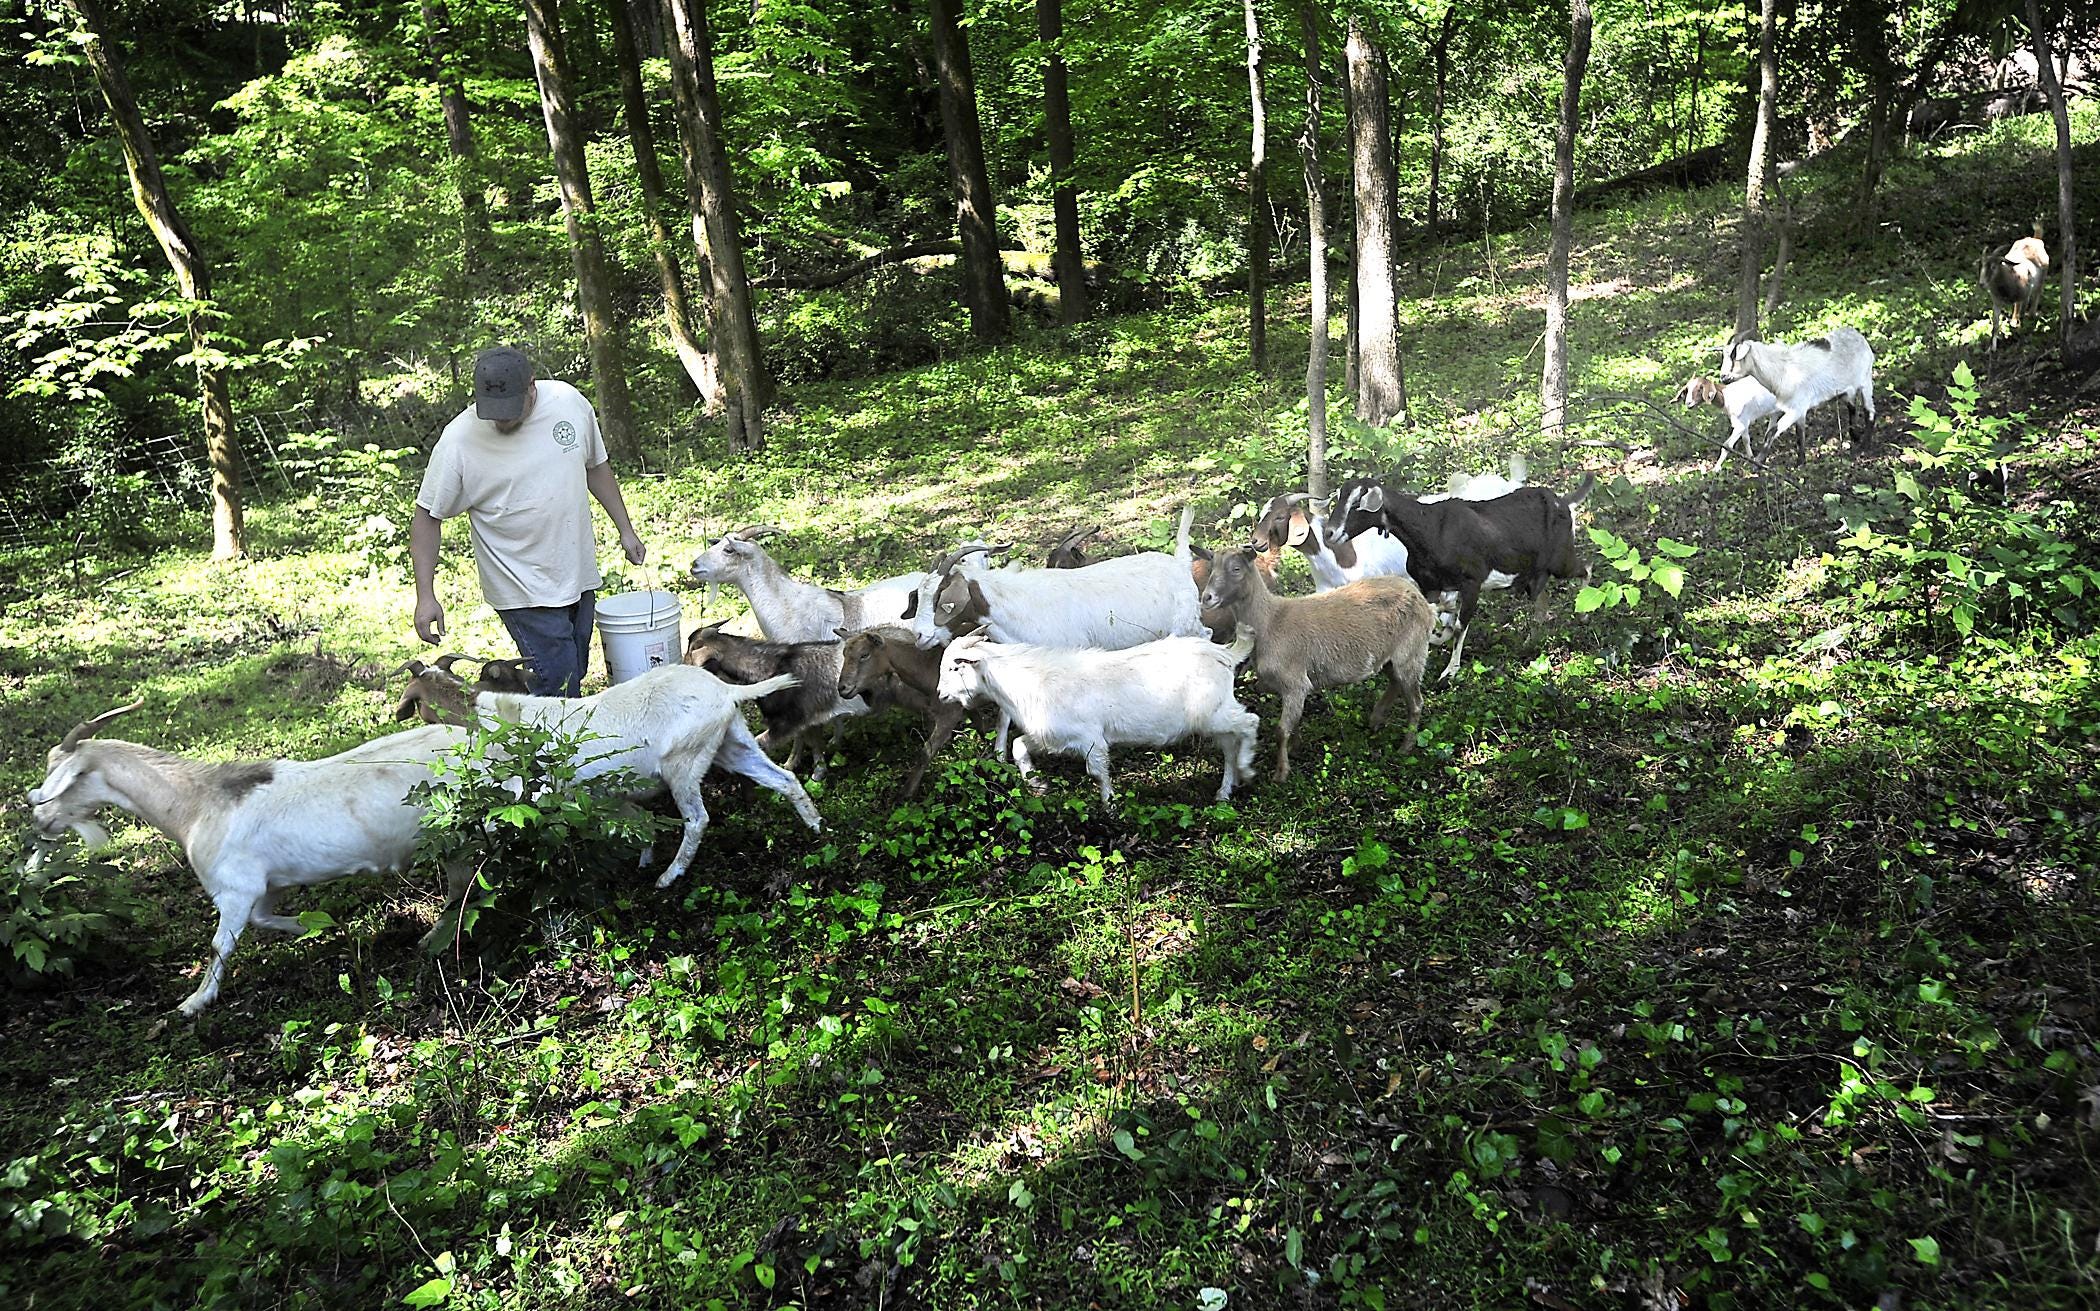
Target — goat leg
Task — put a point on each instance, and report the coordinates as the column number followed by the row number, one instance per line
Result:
column 683, row 768
column 265, row 915
column 1025, row 762
column 236, row 907
column 1097, row 765
column 945, row 721
column 1293, row 710
column 739, row 754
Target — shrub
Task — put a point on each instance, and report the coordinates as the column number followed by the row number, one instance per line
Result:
column 53, row 916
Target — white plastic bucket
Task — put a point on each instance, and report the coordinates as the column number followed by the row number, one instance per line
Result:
column 640, row 632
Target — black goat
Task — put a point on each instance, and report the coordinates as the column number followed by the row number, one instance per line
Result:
column 1461, row 546
column 801, row 715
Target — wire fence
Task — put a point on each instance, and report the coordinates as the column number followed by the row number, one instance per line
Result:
column 276, row 452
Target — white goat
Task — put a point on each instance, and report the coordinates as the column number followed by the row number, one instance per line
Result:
column 790, row 610
column 1745, row 400
column 1082, row 702
column 2013, row 277
column 251, row 829
column 671, row 724
column 1805, row 375
column 1110, row 604
column 1484, row 486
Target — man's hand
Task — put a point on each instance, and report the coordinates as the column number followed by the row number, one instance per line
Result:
column 430, row 620
column 636, row 552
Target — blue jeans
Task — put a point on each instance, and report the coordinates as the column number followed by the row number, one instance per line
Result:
column 557, row 640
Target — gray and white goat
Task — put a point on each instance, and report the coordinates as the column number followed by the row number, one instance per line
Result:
column 251, row 829
column 1082, row 702
column 1305, row 643
column 2013, row 278
column 788, row 609
column 1805, row 375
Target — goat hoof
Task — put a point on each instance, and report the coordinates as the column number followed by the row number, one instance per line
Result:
column 670, row 877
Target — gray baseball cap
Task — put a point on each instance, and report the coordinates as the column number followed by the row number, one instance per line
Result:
column 502, row 382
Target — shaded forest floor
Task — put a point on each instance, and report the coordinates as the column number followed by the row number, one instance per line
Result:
column 1728, row 950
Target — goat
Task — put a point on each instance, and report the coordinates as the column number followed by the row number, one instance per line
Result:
column 1082, row 702
column 1452, row 545
column 1290, row 519
column 251, row 829
column 494, row 676
column 1803, row 376
column 1067, row 553
column 670, row 724
column 886, row 667
column 1219, row 620
column 1484, row 486
column 2013, row 278
column 1111, row 604
column 788, row 609
column 1745, row 400
column 1331, row 639
column 797, row 715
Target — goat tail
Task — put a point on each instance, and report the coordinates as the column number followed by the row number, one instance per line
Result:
column 1181, row 535
column 1242, row 645
column 1581, row 493
column 1519, row 469
column 765, row 687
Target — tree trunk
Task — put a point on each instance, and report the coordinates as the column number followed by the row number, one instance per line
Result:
column 1441, row 50
column 1347, row 219
column 1068, row 264
column 700, row 369
column 976, row 218
column 459, row 135
column 1871, row 19
column 745, row 385
column 586, row 249
column 1258, row 205
column 1691, row 112
column 1753, row 233
column 1380, row 398
column 2066, row 216
column 1553, row 390
column 1316, row 240
column 149, row 191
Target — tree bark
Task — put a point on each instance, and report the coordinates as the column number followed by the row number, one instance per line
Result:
column 746, row 386
column 2066, row 214
column 1754, row 218
column 699, row 365
column 1553, row 389
column 1871, row 19
column 1316, row 240
column 601, row 328
column 1441, row 50
column 1347, row 219
column 976, row 216
column 1258, row 205
column 1380, row 396
column 459, row 135
column 149, row 191
column 1067, row 263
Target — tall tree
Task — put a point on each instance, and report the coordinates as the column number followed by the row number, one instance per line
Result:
column 1316, row 242
column 1872, row 21
column 746, row 387
column 601, row 327
column 149, row 191
column 1381, row 395
column 1440, row 54
column 1067, row 263
column 1553, row 390
column 699, row 365
column 1257, row 204
column 984, row 280
column 1754, row 215
column 2066, row 215
column 459, row 134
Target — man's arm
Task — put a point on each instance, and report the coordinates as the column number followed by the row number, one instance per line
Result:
column 599, row 478
column 424, row 533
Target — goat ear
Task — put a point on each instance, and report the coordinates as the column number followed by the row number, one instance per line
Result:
column 1373, row 499
column 1200, row 552
column 911, row 607
column 1300, row 529
column 406, row 709
column 843, row 633
column 977, row 597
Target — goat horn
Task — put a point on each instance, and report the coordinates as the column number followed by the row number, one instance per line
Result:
column 451, row 658
column 87, row 729
column 1297, row 498
column 409, row 667
column 756, row 531
column 1078, row 535
column 948, row 562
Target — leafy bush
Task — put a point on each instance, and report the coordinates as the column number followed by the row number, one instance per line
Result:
column 1938, row 550
column 513, row 805
column 53, row 916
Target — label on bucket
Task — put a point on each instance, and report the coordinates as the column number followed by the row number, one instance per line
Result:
column 659, row 653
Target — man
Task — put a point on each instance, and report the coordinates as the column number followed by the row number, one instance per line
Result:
column 517, row 463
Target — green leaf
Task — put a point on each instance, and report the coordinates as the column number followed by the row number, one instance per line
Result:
column 1588, row 599
column 1294, row 1247
column 1670, row 578
column 1926, row 1249
column 1127, row 1145
column 764, row 1274
column 431, row 1294
column 1675, row 549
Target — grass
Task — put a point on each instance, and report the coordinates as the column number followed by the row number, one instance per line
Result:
column 1732, row 951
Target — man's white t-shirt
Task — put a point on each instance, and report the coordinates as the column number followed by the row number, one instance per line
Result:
column 524, row 496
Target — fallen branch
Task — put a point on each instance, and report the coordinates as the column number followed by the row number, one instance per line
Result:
column 859, row 267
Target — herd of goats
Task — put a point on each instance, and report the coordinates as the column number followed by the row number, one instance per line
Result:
column 1073, row 657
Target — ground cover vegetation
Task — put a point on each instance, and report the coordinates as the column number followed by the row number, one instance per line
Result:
column 1727, row 940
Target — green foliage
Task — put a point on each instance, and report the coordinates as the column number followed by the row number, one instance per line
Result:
column 519, row 806
column 1663, row 571
column 59, row 914
column 1941, row 550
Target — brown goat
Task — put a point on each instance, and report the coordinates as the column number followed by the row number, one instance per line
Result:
column 1332, row 639
column 436, row 694
column 1067, row 553
column 1219, row 619
column 886, row 667
column 802, row 716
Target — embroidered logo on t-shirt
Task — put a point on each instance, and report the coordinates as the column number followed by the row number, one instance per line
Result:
column 565, row 434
